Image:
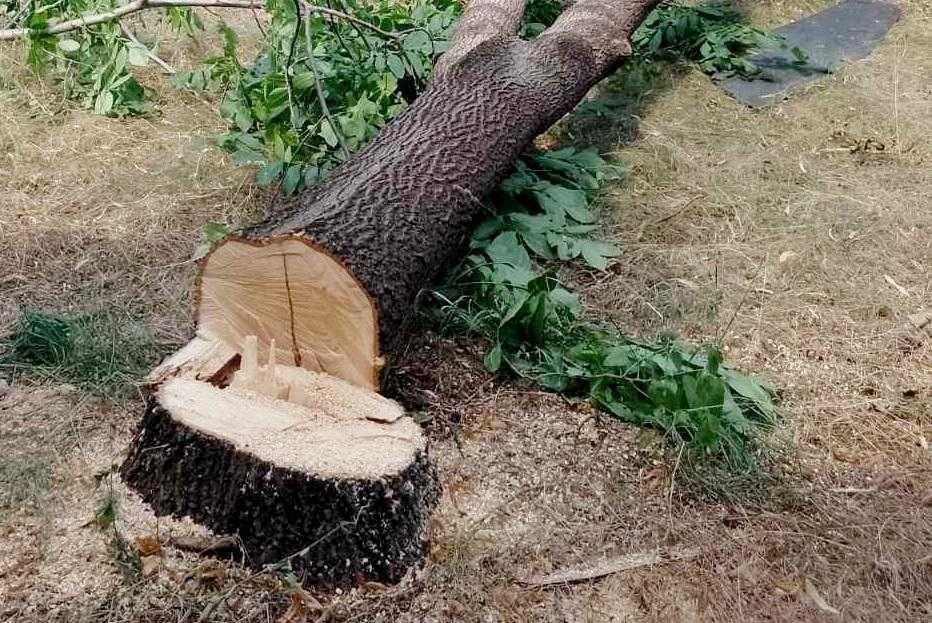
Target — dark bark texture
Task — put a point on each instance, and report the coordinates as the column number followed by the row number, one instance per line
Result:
column 352, row 530
column 401, row 208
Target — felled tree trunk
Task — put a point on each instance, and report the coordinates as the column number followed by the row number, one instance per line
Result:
column 323, row 289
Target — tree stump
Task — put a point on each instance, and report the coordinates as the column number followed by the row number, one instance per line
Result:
column 301, row 465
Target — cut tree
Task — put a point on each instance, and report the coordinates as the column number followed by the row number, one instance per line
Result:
column 302, row 455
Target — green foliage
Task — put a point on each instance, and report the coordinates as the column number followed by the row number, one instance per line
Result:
column 40, row 339
column 277, row 122
column 714, row 35
column 535, row 329
column 122, row 554
column 211, row 234
column 96, row 351
column 93, row 64
column 544, row 206
column 216, row 72
column 273, row 107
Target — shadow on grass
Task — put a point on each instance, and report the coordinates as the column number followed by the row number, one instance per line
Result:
column 610, row 116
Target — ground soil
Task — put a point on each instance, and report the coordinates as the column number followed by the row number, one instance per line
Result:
column 800, row 237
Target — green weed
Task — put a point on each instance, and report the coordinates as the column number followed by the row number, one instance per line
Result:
column 97, row 352
column 122, row 553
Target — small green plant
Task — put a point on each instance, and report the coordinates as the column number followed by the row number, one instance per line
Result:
column 97, row 352
column 123, row 555
column 40, row 339
column 535, row 329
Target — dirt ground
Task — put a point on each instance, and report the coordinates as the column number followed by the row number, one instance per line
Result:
column 801, row 237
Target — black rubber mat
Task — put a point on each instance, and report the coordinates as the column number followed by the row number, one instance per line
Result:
column 842, row 33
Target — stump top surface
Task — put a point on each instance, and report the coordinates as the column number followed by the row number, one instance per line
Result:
column 298, row 436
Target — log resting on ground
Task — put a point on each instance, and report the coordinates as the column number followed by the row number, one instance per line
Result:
column 302, row 454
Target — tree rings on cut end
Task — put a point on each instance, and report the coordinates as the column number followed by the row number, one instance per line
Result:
column 288, row 290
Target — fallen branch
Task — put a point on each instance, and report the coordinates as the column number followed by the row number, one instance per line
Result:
column 142, row 5
column 123, row 11
column 604, row 566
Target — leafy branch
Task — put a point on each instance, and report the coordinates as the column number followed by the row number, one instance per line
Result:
column 506, row 291
column 141, row 5
column 120, row 12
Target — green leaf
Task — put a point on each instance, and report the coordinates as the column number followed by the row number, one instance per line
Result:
column 531, row 223
column 733, row 415
column 416, row 41
column 704, row 390
column 751, row 389
column 541, row 309
column 269, row 173
column 214, row 232
column 565, row 300
column 327, row 133
column 302, row 80
column 506, row 250
column 664, row 392
column 539, row 245
column 595, row 253
column 619, row 357
column 493, row 359
column 395, row 65
column 557, row 200
column 516, row 307
column 103, row 104
column 137, row 54
column 291, row 179
column 68, row 46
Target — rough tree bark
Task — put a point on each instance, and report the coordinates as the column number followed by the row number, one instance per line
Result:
column 400, row 209
column 331, row 279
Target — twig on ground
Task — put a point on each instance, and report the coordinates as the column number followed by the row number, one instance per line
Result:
column 605, row 566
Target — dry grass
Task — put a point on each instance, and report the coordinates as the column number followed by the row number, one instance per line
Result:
column 775, row 231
